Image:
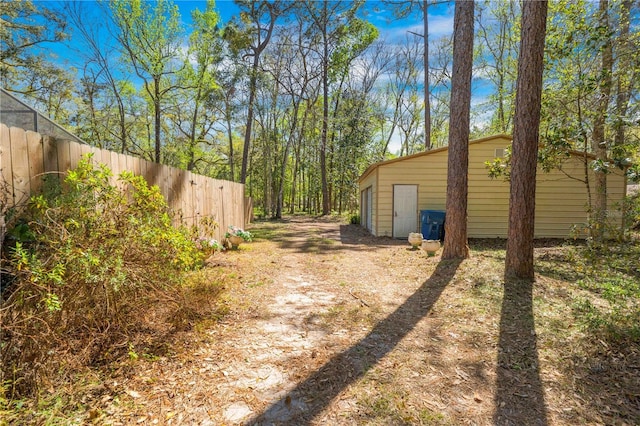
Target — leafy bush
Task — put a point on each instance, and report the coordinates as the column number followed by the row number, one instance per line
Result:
column 611, row 311
column 203, row 235
column 616, row 324
column 632, row 211
column 91, row 261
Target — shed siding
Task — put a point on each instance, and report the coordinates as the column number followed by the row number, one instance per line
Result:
column 370, row 181
column 488, row 200
column 428, row 172
column 560, row 200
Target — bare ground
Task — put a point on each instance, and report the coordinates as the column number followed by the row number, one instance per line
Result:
column 329, row 326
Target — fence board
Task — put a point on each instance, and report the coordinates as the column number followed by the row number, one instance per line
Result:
column 122, row 163
column 64, row 159
column 50, row 160
column 150, row 174
column 36, row 161
column 105, row 156
column 75, row 152
column 84, row 151
column 248, row 210
column 113, row 164
column 136, row 166
column 143, row 168
column 197, row 201
column 50, row 154
column 207, row 203
column 188, row 197
column 19, row 166
column 165, row 185
column 26, row 156
column 96, row 157
column 183, row 198
column 6, row 166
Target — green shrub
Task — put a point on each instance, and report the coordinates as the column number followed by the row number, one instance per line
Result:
column 632, row 211
column 618, row 323
column 611, row 311
column 97, row 257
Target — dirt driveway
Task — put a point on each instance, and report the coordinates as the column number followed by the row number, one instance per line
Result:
column 330, row 326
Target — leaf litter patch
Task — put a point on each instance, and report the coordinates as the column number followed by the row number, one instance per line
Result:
column 308, row 309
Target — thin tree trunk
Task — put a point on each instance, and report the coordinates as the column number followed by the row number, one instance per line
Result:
column 326, row 200
column 427, row 90
column 296, row 165
column 156, row 107
column 247, row 133
column 623, row 95
column 230, row 137
column 599, row 145
column 524, row 160
column 455, row 240
column 501, row 117
column 285, row 158
column 257, row 51
column 294, row 178
column 122, row 124
column 192, row 137
column 331, row 144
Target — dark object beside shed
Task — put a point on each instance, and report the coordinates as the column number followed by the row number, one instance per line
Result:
column 432, row 224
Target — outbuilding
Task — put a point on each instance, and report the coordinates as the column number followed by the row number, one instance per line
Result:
column 394, row 192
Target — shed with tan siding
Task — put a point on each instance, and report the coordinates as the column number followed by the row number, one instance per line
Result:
column 387, row 190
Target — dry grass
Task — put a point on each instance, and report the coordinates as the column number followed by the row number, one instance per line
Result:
column 324, row 324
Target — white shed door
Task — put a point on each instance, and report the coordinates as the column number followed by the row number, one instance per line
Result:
column 405, row 210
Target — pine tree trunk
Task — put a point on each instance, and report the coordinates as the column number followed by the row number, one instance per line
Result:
column 598, row 143
column 455, row 239
column 524, row 159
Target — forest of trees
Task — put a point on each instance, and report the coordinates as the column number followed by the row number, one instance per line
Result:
column 297, row 98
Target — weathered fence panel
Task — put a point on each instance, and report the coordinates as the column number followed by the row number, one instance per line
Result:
column 26, row 157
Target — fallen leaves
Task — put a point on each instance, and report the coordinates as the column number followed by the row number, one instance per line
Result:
column 133, row 394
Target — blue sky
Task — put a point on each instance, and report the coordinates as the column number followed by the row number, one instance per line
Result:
column 393, row 31
column 440, row 17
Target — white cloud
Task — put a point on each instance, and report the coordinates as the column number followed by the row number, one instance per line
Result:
column 440, row 26
column 395, row 143
column 399, row 36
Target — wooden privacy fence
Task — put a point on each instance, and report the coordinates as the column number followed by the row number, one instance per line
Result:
column 26, row 157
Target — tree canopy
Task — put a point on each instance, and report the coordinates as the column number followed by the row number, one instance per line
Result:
column 312, row 93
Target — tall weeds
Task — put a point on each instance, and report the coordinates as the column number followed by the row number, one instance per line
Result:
column 87, row 260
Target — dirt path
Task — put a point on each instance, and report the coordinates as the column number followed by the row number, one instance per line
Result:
column 320, row 269
column 331, row 326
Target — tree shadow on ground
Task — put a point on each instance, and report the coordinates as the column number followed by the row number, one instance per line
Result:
column 356, row 235
column 326, row 238
column 519, row 396
column 303, row 403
